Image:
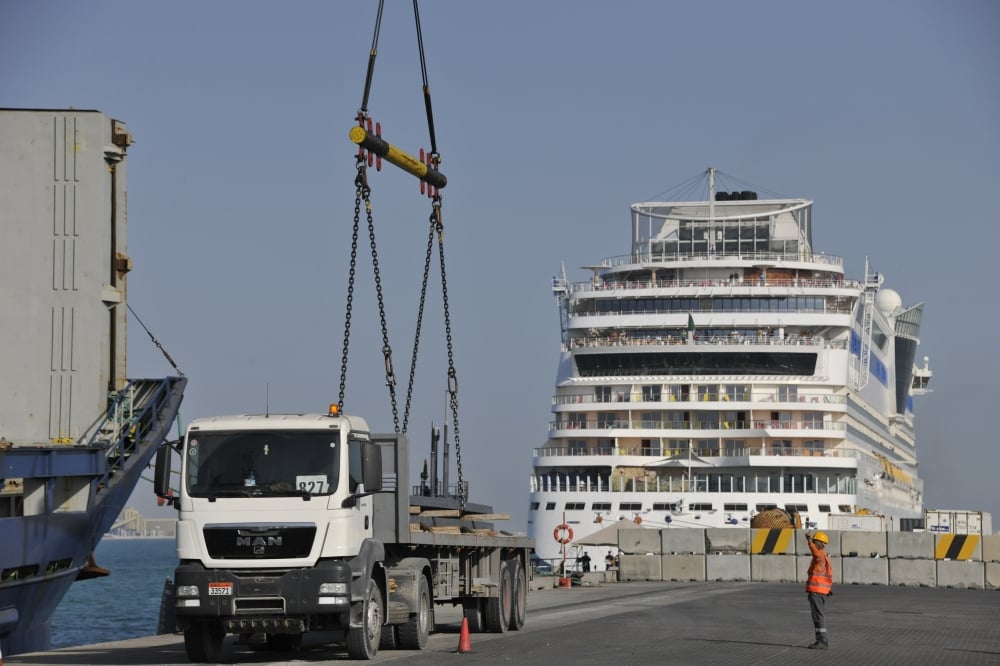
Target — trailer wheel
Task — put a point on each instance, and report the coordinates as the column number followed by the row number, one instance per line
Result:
column 203, row 641
column 519, row 607
column 498, row 607
column 363, row 641
column 414, row 633
column 390, row 638
column 472, row 612
column 284, row 642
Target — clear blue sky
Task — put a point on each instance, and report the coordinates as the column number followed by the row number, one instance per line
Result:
column 552, row 117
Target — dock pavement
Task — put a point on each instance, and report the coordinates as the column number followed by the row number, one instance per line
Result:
column 638, row 623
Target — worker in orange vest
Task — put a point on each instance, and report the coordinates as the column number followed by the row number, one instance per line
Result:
column 819, row 585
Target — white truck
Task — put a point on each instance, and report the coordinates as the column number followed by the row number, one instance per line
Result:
column 296, row 523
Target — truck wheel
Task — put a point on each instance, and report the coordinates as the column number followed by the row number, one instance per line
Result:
column 519, row 608
column 414, row 633
column 284, row 642
column 498, row 607
column 363, row 641
column 390, row 638
column 203, row 641
column 472, row 612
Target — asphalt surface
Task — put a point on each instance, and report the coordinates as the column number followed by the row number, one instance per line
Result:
column 662, row 623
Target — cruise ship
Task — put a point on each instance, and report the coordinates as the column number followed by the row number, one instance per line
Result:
column 723, row 368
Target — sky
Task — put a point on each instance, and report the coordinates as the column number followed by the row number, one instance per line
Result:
column 551, row 119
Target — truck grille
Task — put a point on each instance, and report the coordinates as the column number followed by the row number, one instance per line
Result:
column 259, row 542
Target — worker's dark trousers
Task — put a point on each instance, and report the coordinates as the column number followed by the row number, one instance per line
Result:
column 817, row 605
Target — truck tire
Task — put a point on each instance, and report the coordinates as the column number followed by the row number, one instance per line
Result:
column 284, row 642
column 472, row 612
column 363, row 641
column 519, row 607
column 390, row 638
column 414, row 633
column 498, row 607
column 203, row 641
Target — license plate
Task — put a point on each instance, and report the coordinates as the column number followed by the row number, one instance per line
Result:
column 220, row 589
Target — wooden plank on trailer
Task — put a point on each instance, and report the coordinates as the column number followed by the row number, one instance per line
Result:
column 486, row 516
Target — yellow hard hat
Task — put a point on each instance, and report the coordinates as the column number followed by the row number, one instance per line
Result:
column 821, row 537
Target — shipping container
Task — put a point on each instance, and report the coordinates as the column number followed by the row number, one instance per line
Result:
column 958, row 521
column 859, row 522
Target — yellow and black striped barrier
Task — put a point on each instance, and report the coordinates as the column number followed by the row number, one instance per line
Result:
column 956, row 546
column 773, row 542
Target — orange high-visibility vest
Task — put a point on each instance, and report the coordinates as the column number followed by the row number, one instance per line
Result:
column 820, row 571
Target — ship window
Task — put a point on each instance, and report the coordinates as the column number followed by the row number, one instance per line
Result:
column 701, row 506
column 824, row 508
column 735, row 507
column 651, row 393
column 602, row 394
column 575, row 506
column 845, row 508
column 600, row 506
column 788, row 393
column 664, row 506
column 765, row 507
column 630, row 506
column 534, row 506
column 737, row 392
column 796, row 507
column 550, row 506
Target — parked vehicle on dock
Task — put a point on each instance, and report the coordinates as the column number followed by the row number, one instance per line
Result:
column 302, row 522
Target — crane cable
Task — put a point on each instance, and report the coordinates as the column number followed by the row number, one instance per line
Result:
column 436, row 228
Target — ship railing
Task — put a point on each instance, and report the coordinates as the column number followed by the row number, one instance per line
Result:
column 703, row 340
column 659, row 256
column 715, row 482
column 703, row 452
column 599, row 284
column 130, row 415
column 664, row 398
column 697, row 424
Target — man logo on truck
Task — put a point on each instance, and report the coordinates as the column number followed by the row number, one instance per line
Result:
column 258, row 542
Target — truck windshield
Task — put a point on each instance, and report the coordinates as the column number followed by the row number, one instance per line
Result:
column 262, row 463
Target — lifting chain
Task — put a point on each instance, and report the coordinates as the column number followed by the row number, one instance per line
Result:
column 363, row 193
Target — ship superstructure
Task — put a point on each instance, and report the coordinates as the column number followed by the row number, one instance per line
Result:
column 724, row 367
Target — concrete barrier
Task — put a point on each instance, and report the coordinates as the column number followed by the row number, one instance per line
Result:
column 772, row 568
column 682, row 540
column 910, row 545
column 772, row 542
column 958, row 547
column 863, row 544
column 728, row 540
column 865, row 570
column 683, row 567
column 640, row 567
column 832, row 548
column 735, row 567
column 961, row 574
column 740, row 554
column 640, row 541
column 992, row 578
column 913, row 572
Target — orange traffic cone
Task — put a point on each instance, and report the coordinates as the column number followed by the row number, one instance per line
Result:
column 464, row 644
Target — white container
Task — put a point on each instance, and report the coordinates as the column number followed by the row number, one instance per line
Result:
column 958, row 521
column 851, row 521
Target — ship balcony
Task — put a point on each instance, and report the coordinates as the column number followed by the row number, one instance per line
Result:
column 635, row 338
column 713, row 455
column 803, row 260
column 578, row 428
column 743, row 401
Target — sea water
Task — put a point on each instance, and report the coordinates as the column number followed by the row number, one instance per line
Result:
column 125, row 604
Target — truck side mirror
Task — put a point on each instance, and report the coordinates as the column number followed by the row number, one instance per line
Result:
column 371, row 466
column 161, row 478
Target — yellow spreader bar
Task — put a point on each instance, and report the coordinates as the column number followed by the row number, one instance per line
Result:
column 403, row 160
